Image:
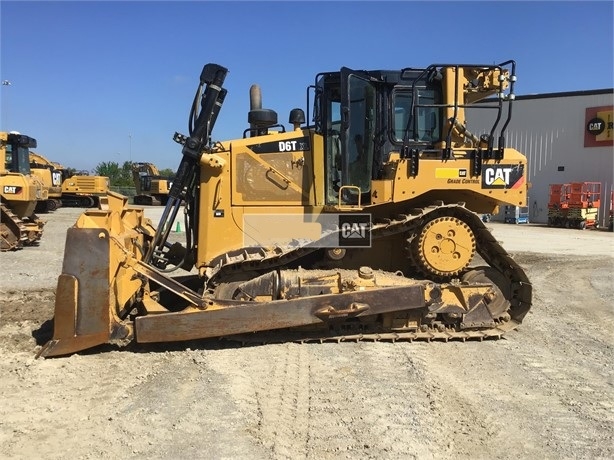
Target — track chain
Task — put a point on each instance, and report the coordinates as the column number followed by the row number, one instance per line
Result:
column 430, row 335
column 486, row 246
column 17, row 234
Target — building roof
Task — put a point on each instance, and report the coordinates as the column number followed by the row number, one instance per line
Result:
column 589, row 92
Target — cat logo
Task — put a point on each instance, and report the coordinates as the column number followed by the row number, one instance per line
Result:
column 56, row 178
column 503, row 176
column 355, row 230
column 596, row 126
column 12, row 189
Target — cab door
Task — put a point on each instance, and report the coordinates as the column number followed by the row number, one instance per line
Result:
column 358, row 124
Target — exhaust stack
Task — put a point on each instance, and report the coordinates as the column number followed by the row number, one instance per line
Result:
column 259, row 119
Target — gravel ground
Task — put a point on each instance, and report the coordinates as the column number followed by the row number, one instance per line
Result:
column 544, row 391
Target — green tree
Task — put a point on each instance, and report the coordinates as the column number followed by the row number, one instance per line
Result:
column 119, row 176
column 168, row 173
column 127, row 179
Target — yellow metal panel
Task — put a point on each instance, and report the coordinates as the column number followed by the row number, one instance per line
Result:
column 272, row 170
column 381, row 191
column 450, row 173
column 438, row 180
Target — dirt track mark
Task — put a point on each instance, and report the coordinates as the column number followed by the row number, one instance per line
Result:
column 550, row 378
column 377, row 406
column 273, row 395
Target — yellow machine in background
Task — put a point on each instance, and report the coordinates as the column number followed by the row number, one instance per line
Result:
column 83, row 190
column 151, row 188
column 51, row 176
column 19, row 193
column 364, row 225
column 76, row 190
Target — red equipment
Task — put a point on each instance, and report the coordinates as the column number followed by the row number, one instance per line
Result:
column 574, row 205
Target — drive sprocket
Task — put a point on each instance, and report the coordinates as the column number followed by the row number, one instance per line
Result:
column 444, row 247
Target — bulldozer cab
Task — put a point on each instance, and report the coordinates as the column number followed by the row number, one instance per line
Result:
column 364, row 116
column 418, row 114
column 17, row 154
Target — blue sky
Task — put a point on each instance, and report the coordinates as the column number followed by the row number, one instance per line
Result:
column 112, row 81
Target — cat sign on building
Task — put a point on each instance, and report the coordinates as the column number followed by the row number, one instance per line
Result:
column 599, row 127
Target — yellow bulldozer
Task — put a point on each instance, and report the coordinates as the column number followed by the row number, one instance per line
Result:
column 50, row 174
column 151, row 188
column 364, row 225
column 20, row 192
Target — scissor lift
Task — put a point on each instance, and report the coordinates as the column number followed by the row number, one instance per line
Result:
column 574, row 205
column 558, row 204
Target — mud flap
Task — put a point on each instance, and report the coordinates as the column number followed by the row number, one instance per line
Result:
column 83, row 295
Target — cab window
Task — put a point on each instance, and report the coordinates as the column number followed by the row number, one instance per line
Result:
column 425, row 124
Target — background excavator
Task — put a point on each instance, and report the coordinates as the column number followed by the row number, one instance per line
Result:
column 82, row 190
column 66, row 189
column 50, row 174
column 362, row 226
column 151, row 188
column 19, row 193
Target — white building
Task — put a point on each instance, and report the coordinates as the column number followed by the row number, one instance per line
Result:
column 566, row 137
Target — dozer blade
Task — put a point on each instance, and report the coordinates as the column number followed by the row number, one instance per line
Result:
column 94, row 279
column 83, row 297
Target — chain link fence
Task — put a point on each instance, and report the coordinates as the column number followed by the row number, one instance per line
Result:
column 126, row 191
